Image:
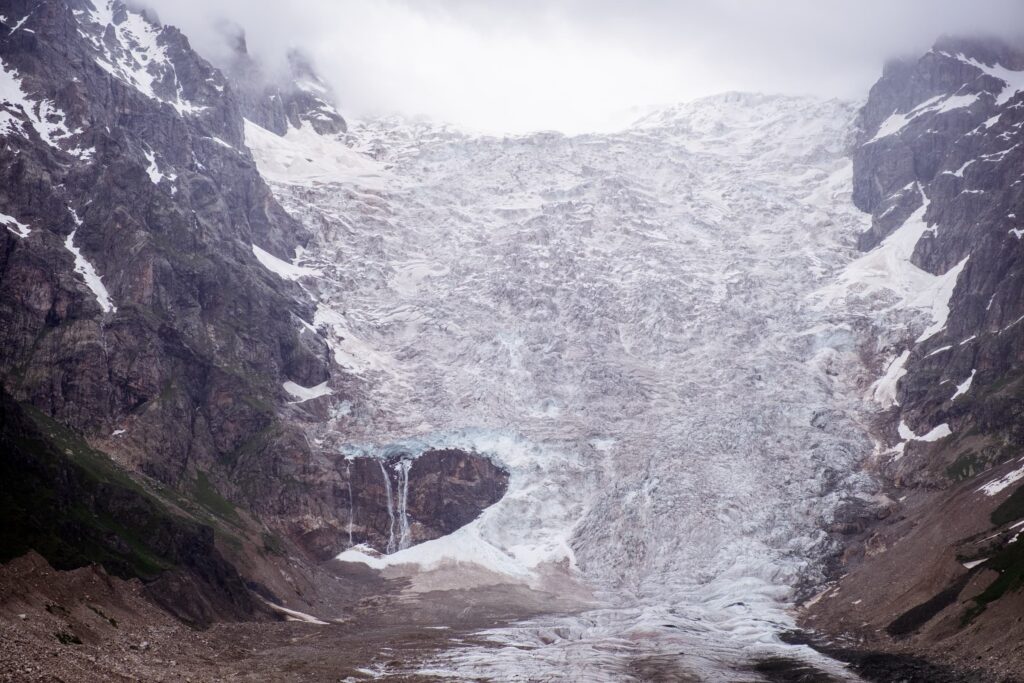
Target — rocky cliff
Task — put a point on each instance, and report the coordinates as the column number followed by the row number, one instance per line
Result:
column 938, row 164
column 407, row 497
column 70, row 503
column 143, row 304
column 277, row 102
column 132, row 299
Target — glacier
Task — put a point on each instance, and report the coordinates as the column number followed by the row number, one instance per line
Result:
column 633, row 324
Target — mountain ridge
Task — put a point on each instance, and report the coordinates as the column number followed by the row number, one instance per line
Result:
column 938, row 138
column 136, row 307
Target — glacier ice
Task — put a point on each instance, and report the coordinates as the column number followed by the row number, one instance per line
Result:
column 632, row 324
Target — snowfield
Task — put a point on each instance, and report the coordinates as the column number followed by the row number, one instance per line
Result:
column 632, row 324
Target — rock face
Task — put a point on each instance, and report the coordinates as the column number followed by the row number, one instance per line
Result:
column 295, row 98
column 960, row 152
column 147, row 296
column 71, row 504
column 402, row 500
column 180, row 339
column 939, row 152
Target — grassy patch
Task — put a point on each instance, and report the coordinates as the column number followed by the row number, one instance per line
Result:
column 967, row 465
column 67, row 638
column 273, row 544
column 1010, row 565
column 97, row 464
column 104, row 617
column 71, row 503
column 1011, row 509
column 204, row 493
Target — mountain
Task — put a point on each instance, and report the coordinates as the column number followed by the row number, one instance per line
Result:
column 622, row 400
column 938, row 166
column 142, row 311
column 277, row 102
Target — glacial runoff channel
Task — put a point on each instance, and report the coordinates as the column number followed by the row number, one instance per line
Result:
column 629, row 323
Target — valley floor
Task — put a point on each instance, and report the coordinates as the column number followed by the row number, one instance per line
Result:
column 86, row 625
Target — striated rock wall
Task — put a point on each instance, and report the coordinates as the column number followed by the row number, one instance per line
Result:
column 68, row 502
column 186, row 358
column 278, row 102
column 942, row 134
column 396, row 502
column 142, row 302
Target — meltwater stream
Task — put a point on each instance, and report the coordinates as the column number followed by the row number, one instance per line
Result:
column 629, row 323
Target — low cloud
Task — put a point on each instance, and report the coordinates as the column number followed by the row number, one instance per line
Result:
column 578, row 65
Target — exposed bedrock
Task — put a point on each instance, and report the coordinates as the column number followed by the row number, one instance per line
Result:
column 939, row 567
column 403, row 499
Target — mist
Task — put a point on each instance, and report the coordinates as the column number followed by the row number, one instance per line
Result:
column 578, row 66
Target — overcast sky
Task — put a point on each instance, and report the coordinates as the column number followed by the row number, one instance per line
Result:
column 575, row 65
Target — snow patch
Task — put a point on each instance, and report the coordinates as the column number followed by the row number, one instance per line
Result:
column 295, row 615
column 936, row 433
column 221, row 142
column 959, row 173
column 994, row 487
column 302, row 394
column 136, row 55
column 964, row 386
column 88, row 273
column 153, row 170
column 304, row 156
column 940, row 293
column 20, row 23
column 43, row 116
column 15, row 226
column 883, row 391
column 888, row 268
column 281, row 268
column 935, row 105
column 1015, row 322
column 1013, row 81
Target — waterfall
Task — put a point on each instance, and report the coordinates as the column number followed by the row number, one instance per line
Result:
column 351, row 503
column 391, row 512
column 403, row 500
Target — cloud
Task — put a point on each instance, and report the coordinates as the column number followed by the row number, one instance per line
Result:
column 579, row 65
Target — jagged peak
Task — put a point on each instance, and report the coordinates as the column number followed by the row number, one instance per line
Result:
column 130, row 44
column 234, row 37
column 989, row 50
column 279, row 96
column 300, row 66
